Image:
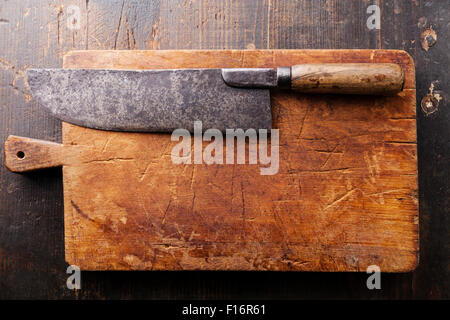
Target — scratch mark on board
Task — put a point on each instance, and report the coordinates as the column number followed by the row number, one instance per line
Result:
column 80, row 212
column 340, row 198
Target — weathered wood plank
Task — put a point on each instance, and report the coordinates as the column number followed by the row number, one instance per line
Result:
column 432, row 278
column 344, row 196
column 31, row 206
column 32, row 34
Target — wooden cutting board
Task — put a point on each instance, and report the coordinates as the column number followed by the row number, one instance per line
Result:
column 345, row 196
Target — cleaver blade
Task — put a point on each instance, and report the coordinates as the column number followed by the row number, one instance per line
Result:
column 151, row 100
column 165, row 100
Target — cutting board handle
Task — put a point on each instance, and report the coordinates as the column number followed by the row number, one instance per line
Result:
column 348, row 78
column 26, row 154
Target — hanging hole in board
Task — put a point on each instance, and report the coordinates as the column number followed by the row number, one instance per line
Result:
column 20, row 154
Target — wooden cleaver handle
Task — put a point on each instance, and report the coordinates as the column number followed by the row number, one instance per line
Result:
column 26, row 154
column 347, row 78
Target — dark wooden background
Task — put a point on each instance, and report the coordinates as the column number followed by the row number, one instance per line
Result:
column 35, row 33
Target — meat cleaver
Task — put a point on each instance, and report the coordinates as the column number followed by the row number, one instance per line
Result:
column 165, row 100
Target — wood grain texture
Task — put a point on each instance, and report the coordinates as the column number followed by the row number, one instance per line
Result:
column 345, row 196
column 34, row 33
column 352, row 78
column 26, row 154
